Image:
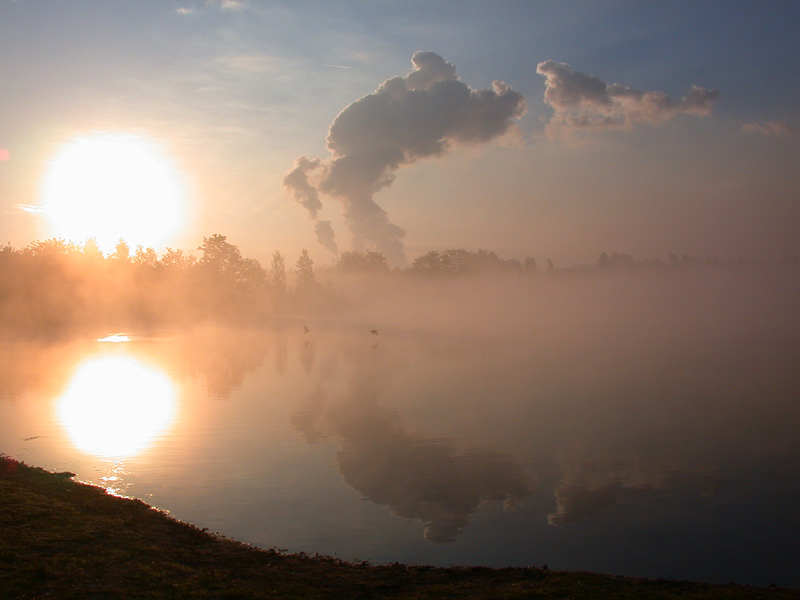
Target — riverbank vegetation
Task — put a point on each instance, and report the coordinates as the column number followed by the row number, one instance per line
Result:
column 62, row 539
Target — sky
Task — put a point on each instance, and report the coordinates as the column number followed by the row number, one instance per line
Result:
column 550, row 129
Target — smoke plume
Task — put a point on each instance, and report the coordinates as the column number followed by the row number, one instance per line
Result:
column 583, row 101
column 404, row 120
column 306, row 195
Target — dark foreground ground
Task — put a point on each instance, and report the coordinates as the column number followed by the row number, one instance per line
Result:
column 61, row 539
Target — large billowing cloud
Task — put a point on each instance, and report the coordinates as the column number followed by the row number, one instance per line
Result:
column 404, row 120
column 583, row 101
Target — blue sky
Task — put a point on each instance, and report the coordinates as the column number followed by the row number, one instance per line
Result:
column 237, row 90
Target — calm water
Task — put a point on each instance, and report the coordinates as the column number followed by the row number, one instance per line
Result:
column 643, row 453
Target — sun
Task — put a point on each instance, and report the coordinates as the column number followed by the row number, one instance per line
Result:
column 111, row 186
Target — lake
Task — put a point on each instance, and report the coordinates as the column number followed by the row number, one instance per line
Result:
column 646, row 429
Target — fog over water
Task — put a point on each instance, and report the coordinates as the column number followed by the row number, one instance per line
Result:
column 641, row 422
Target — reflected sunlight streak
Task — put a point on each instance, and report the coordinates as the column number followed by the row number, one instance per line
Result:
column 116, row 406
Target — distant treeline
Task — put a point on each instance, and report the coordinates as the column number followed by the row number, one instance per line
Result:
column 55, row 287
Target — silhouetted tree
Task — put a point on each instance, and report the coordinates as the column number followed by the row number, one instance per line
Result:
column 305, row 278
column 122, row 252
column 251, row 276
column 145, row 257
column 617, row 261
column 177, row 260
column 91, row 250
column 487, row 260
column 362, row 262
column 53, row 248
column 233, row 285
column 428, row 264
column 277, row 273
column 224, row 262
column 220, row 257
column 457, row 261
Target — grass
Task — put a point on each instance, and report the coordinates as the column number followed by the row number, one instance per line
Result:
column 62, row 539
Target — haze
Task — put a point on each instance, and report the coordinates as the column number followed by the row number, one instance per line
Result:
column 452, row 259
column 502, row 418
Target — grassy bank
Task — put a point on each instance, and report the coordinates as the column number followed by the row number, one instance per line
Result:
column 61, row 539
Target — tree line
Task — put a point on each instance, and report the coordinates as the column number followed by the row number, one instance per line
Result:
column 53, row 287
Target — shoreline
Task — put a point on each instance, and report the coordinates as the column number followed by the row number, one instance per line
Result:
column 65, row 539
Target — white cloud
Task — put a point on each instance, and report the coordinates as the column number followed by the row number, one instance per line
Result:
column 581, row 101
column 228, row 5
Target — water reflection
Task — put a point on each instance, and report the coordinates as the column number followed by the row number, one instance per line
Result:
column 281, row 432
column 591, row 485
column 115, row 406
column 222, row 358
column 426, row 479
column 433, row 480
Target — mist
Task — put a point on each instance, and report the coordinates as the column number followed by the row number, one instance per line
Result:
column 545, row 401
column 630, row 385
column 616, row 307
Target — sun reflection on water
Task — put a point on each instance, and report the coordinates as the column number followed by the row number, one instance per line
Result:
column 116, row 406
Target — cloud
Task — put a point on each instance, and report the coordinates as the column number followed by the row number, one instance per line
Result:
column 406, row 119
column 297, row 181
column 223, row 5
column 581, row 101
column 228, row 5
column 326, row 236
column 31, row 208
column 771, row 128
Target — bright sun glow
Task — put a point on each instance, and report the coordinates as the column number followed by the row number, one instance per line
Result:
column 113, row 186
column 115, row 406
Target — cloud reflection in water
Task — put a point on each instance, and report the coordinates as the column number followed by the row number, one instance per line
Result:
column 423, row 478
column 431, row 479
column 590, row 485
